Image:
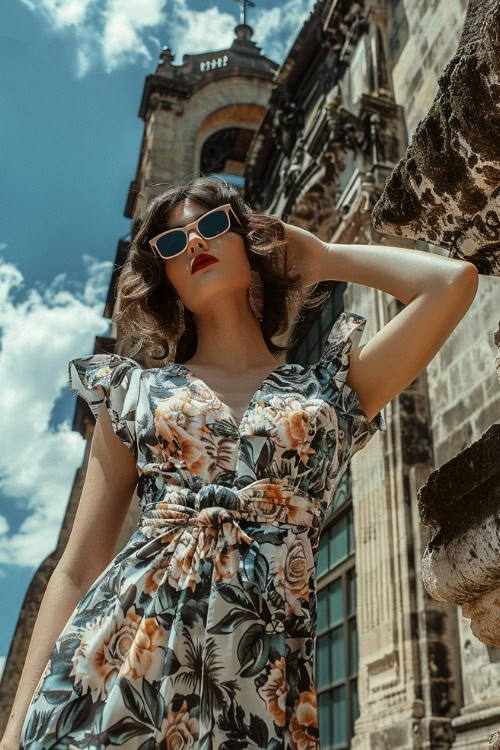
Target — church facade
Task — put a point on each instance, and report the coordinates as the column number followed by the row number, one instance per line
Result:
column 312, row 141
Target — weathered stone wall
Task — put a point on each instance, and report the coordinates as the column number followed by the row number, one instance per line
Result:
column 463, row 387
column 424, row 34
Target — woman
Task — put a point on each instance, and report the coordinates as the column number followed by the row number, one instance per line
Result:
column 200, row 632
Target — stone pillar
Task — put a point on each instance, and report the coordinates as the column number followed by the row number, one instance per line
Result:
column 409, row 676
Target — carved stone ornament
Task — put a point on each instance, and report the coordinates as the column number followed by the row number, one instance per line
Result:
column 288, row 122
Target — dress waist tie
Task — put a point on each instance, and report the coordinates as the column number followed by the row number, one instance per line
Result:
column 204, row 524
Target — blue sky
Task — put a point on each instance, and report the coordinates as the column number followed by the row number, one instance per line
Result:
column 72, row 79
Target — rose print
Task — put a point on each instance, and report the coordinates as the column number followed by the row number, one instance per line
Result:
column 179, row 730
column 296, row 574
column 140, row 656
column 103, row 649
column 274, row 691
column 304, row 722
column 213, row 616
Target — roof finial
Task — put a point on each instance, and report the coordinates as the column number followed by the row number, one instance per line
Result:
column 243, row 12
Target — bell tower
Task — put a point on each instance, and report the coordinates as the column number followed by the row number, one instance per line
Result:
column 200, row 117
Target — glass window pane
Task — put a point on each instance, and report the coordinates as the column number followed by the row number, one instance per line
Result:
column 351, row 592
column 323, row 662
column 323, row 555
column 325, row 715
column 353, row 648
column 354, row 704
column 336, row 603
column 339, row 716
column 322, row 609
column 338, row 654
column 350, row 523
column 338, row 541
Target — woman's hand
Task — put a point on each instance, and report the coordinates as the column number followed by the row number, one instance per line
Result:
column 307, row 253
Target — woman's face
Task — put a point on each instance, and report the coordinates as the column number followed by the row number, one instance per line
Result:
column 208, row 287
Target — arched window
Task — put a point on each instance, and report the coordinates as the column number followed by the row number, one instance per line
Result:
column 225, row 152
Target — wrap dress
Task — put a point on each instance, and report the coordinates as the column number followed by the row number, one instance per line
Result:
column 200, row 633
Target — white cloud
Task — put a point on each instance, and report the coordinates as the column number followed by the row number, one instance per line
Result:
column 2, row 665
column 275, row 29
column 40, row 332
column 118, row 32
column 124, row 20
column 61, row 13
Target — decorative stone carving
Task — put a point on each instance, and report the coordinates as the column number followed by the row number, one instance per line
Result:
column 461, row 503
column 495, row 741
column 484, row 613
column 291, row 170
column 288, row 122
column 372, row 132
column 313, row 210
column 344, row 26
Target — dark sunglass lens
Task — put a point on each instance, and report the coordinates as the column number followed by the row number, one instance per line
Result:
column 214, row 223
column 171, row 244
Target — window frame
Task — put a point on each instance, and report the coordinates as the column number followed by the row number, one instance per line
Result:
column 341, row 571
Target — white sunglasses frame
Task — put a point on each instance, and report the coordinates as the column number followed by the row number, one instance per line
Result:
column 226, row 207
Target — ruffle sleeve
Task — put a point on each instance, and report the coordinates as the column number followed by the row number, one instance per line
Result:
column 115, row 381
column 344, row 336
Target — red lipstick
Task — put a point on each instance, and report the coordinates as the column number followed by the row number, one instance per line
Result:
column 202, row 260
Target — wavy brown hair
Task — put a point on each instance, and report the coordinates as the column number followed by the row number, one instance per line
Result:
column 149, row 306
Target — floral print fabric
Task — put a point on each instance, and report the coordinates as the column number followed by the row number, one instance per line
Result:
column 200, row 633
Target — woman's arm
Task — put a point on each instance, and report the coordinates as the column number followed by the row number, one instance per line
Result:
column 402, row 272
column 110, row 481
column 436, row 290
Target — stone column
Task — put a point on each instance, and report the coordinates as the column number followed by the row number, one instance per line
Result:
column 408, row 680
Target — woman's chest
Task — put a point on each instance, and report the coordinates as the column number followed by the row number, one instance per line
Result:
column 234, row 394
column 189, row 416
column 288, row 431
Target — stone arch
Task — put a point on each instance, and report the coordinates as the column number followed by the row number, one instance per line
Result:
column 225, row 103
column 233, row 125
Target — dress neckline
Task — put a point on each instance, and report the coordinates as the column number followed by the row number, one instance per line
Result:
column 252, row 399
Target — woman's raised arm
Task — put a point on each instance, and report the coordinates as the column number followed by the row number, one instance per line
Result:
column 436, row 290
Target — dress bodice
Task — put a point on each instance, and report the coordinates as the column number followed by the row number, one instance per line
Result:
column 300, row 429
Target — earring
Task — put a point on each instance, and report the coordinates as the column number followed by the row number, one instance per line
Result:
column 136, row 347
column 256, row 295
column 181, row 326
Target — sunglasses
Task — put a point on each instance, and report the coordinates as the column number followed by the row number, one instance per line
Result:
column 212, row 224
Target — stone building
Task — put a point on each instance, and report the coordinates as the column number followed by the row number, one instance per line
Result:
column 313, row 140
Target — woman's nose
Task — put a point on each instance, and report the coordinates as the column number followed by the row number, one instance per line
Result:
column 195, row 240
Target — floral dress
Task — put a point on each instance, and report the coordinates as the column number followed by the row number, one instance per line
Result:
column 200, row 633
